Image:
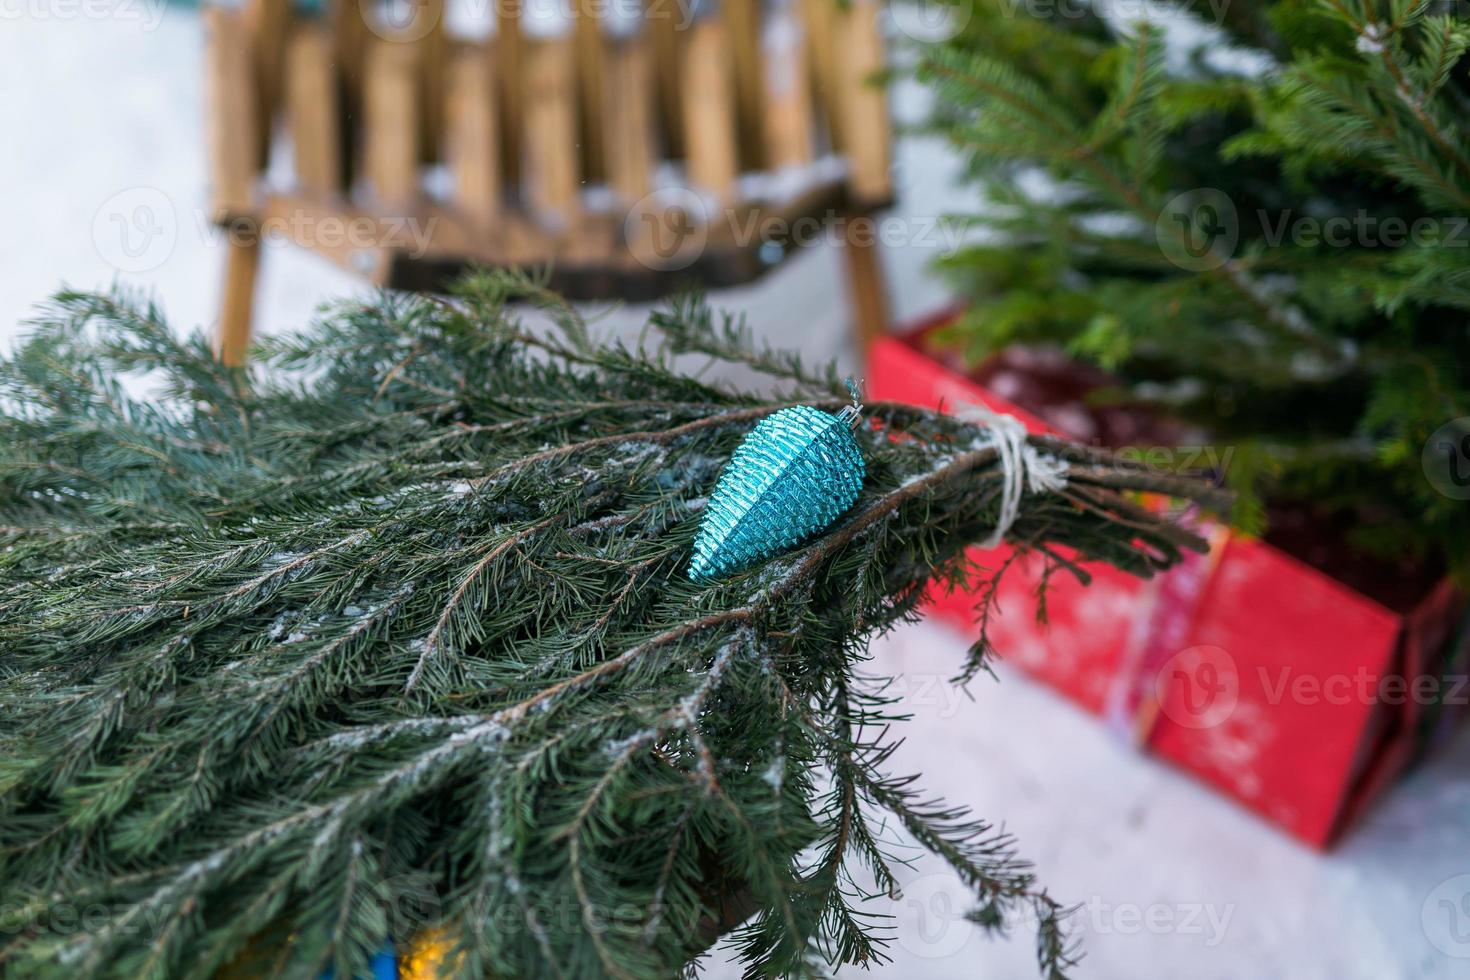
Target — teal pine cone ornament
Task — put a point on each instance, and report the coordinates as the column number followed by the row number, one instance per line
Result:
column 795, row 473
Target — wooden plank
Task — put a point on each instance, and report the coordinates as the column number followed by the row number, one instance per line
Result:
column 473, row 146
column 391, row 127
column 267, row 23
column 819, row 22
column 550, row 160
column 744, row 20
column 743, row 230
column 867, row 291
column 313, row 111
column 592, row 126
column 523, row 243
column 788, row 115
column 363, row 244
column 231, row 117
column 865, row 123
column 519, row 243
column 232, row 338
column 430, row 34
column 348, row 29
column 607, row 276
column 666, row 30
column 509, row 54
column 628, row 111
column 593, row 245
column 712, row 159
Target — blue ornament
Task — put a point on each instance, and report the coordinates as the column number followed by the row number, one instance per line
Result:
column 795, row 473
column 384, row 965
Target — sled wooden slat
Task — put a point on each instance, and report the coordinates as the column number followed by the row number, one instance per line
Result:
column 820, row 20
column 709, row 111
column 311, row 97
column 230, row 87
column 667, row 22
column 864, row 125
column 391, row 124
column 551, row 159
column 743, row 21
column 267, row 23
column 368, row 251
column 508, row 64
column 350, row 34
column 431, row 43
column 473, row 149
column 593, row 127
column 628, row 112
column 787, row 114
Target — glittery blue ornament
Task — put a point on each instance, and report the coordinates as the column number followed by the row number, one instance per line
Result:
column 795, row 473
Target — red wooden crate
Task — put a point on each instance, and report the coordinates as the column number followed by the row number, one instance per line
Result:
column 1263, row 675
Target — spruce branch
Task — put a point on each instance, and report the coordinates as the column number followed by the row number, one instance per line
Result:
column 1271, row 254
column 405, row 642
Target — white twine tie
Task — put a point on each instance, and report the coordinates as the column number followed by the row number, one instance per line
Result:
column 1022, row 468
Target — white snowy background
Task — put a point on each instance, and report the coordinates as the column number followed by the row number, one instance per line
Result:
column 102, row 178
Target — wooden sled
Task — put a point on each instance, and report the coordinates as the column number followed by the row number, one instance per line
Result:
column 630, row 146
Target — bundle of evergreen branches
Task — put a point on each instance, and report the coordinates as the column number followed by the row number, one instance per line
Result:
column 395, row 632
column 1255, row 212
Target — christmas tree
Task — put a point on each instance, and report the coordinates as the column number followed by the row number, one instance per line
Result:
column 395, row 633
column 1255, row 214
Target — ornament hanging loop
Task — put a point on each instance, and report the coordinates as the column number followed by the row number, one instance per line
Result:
column 853, row 414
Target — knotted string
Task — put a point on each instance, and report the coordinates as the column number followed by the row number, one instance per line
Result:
column 853, row 414
column 1022, row 468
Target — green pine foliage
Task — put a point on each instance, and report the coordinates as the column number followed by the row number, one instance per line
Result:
column 1256, row 213
column 394, row 631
